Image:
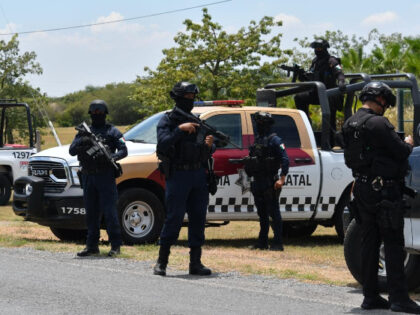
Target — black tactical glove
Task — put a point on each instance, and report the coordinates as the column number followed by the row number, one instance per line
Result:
column 342, row 86
column 85, row 141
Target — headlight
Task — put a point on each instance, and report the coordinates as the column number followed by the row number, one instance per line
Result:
column 28, row 189
column 75, row 178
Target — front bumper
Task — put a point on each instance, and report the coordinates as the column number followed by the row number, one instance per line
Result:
column 64, row 210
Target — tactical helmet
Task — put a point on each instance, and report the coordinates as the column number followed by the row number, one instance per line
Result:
column 263, row 118
column 98, row 105
column 183, row 87
column 320, row 43
column 376, row 88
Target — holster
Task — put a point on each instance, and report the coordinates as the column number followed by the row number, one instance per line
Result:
column 390, row 214
column 354, row 211
column 212, row 178
column 165, row 168
column 79, row 175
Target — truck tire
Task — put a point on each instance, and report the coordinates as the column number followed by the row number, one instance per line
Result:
column 141, row 216
column 353, row 259
column 69, row 235
column 298, row 229
column 5, row 189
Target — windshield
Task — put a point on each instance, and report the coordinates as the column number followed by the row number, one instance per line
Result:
column 144, row 132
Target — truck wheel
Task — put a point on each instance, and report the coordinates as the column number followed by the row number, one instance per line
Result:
column 353, row 259
column 338, row 216
column 141, row 216
column 5, row 189
column 298, row 229
column 69, row 235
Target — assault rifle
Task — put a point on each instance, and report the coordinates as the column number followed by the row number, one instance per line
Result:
column 298, row 72
column 205, row 129
column 98, row 148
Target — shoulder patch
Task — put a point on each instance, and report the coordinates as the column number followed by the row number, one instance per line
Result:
column 283, row 146
column 122, row 140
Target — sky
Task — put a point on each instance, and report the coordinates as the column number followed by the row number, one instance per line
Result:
column 98, row 55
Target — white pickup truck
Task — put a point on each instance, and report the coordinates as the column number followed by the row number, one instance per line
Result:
column 14, row 157
column 316, row 191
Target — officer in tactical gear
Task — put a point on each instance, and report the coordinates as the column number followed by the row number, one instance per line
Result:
column 98, row 179
column 379, row 160
column 327, row 69
column 183, row 159
column 266, row 156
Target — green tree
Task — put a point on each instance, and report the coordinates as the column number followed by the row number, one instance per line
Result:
column 14, row 65
column 222, row 64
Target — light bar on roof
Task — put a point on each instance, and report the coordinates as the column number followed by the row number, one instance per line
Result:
column 218, row 103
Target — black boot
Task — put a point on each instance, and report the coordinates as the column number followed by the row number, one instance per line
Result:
column 160, row 267
column 377, row 302
column 408, row 306
column 88, row 251
column 196, row 267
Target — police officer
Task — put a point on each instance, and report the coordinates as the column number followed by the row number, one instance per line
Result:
column 327, row 69
column 183, row 162
column 98, row 179
column 266, row 156
column 378, row 159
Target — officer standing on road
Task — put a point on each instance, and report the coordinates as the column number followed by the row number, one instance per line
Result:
column 98, row 179
column 183, row 159
column 266, row 156
column 379, row 160
column 327, row 69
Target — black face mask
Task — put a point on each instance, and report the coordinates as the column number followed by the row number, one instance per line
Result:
column 185, row 104
column 321, row 53
column 98, row 120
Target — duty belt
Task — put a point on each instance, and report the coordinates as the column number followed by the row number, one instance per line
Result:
column 187, row 167
column 376, row 182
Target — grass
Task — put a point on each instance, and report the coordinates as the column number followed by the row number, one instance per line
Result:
column 315, row 259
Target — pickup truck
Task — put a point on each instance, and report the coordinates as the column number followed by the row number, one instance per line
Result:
column 316, row 191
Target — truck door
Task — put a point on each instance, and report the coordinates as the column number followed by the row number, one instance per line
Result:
column 298, row 196
column 233, row 193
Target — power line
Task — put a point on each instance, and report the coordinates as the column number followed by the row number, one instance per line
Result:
column 115, row 21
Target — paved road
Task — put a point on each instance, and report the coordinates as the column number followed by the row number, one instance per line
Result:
column 39, row 282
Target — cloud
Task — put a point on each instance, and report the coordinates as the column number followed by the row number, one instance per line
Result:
column 380, row 18
column 116, row 27
column 288, row 20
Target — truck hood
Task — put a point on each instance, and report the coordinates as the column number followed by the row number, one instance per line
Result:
column 63, row 151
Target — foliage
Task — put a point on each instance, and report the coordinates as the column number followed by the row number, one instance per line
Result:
column 222, row 64
column 72, row 109
column 14, row 65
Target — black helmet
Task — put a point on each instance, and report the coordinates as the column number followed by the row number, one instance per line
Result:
column 98, row 105
column 263, row 118
column 183, row 87
column 320, row 43
column 376, row 88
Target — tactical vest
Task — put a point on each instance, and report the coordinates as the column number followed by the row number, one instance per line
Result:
column 88, row 162
column 187, row 151
column 357, row 152
column 262, row 162
column 321, row 71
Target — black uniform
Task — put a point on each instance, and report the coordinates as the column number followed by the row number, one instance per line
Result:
column 378, row 197
column 186, row 186
column 327, row 69
column 271, row 156
column 184, row 157
column 98, row 181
